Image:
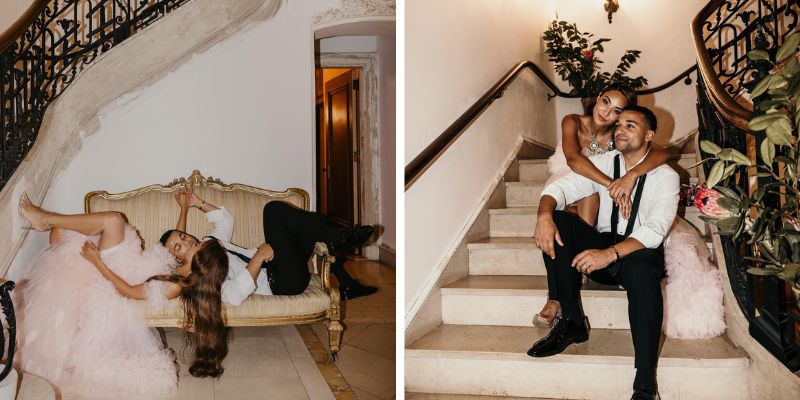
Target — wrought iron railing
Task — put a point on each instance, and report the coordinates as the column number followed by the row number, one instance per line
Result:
column 11, row 327
column 724, row 32
column 46, row 49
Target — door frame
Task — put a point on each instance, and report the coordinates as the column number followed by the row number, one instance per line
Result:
column 369, row 135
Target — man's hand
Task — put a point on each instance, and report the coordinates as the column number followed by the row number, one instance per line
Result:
column 592, row 260
column 265, row 252
column 182, row 197
column 545, row 234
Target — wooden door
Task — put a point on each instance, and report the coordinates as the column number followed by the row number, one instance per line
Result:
column 341, row 148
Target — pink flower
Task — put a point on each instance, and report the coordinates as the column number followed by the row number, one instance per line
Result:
column 794, row 222
column 704, row 199
column 587, row 54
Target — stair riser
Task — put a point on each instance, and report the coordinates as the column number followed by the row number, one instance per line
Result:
column 533, row 172
column 512, row 225
column 506, row 262
column 529, row 377
column 518, row 310
column 523, row 196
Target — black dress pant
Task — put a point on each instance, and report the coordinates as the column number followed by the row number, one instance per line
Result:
column 640, row 273
column 292, row 233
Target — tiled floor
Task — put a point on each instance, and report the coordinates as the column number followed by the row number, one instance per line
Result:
column 274, row 362
column 367, row 356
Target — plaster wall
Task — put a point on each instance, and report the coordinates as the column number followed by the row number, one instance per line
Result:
column 455, row 51
column 10, row 11
column 661, row 30
column 241, row 111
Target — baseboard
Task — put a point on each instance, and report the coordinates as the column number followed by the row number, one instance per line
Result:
column 427, row 314
column 387, row 256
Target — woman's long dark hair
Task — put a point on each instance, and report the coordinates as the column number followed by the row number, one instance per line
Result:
column 202, row 304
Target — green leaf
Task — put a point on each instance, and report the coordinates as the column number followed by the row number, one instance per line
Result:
column 763, row 271
column 728, row 192
column 792, row 67
column 740, row 158
column 761, row 122
column 729, row 170
column 758, row 55
column 710, row 147
column 788, row 47
column 780, row 130
column 761, row 87
column 728, row 204
column 792, row 271
column 767, row 152
column 727, row 225
column 715, row 174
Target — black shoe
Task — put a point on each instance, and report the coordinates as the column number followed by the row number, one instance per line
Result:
column 351, row 238
column 356, row 289
column 642, row 395
column 564, row 333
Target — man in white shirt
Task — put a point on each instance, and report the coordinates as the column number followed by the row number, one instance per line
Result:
column 619, row 252
column 278, row 266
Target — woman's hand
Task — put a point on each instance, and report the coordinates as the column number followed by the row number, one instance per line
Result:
column 265, row 252
column 182, row 198
column 91, row 253
column 621, row 187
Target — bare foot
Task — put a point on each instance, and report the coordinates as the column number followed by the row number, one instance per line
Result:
column 549, row 312
column 33, row 214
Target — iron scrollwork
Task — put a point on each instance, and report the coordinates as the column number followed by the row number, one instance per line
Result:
column 61, row 41
column 11, row 321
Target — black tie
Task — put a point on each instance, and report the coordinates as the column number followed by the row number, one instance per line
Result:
column 634, row 209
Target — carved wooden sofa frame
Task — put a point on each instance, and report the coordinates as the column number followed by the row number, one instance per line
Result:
column 152, row 210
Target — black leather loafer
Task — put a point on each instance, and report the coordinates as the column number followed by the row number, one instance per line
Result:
column 642, row 395
column 351, row 238
column 564, row 333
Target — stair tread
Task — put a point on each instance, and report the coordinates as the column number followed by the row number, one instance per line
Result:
column 522, row 284
column 440, row 396
column 533, row 161
column 503, row 243
column 611, row 346
column 526, row 183
column 514, row 210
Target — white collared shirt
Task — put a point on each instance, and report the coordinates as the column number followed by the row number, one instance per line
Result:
column 657, row 208
column 239, row 284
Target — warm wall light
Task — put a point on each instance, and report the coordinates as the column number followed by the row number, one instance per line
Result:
column 611, row 7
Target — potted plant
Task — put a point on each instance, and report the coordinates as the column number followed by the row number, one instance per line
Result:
column 775, row 230
column 576, row 60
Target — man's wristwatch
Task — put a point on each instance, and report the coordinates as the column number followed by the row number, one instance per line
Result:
column 616, row 252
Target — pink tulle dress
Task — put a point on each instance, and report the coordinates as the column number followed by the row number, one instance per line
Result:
column 692, row 291
column 76, row 331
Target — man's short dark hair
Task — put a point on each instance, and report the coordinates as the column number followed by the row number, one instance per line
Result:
column 165, row 236
column 649, row 117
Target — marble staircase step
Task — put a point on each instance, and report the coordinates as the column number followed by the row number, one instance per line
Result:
column 533, row 170
column 505, row 256
column 513, row 300
column 523, row 194
column 512, row 221
column 491, row 360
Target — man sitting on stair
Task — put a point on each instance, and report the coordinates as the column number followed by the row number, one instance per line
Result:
column 628, row 253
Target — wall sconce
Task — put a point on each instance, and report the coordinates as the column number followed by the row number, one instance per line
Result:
column 611, row 7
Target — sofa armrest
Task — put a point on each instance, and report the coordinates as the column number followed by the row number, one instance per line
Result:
column 321, row 250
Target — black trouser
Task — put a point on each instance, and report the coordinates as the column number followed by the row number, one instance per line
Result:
column 640, row 273
column 292, row 233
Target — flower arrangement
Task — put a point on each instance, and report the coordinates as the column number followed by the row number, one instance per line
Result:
column 576, row 60
column 775, row 230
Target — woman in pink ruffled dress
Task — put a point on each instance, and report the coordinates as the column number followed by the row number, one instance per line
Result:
column 78, row 326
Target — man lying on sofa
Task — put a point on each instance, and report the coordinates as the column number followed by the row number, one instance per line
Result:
column 290, row 236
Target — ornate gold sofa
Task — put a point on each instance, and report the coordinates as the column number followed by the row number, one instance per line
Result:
column 152, row 210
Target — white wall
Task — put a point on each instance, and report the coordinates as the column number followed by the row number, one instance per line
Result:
column 455, row 50
column 10, row 11
column 243, row 111
column 386, row 58
column 661, row 30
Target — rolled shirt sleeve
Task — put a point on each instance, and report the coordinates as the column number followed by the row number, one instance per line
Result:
column 235, row 290
column 223, row 224
column 660, row 212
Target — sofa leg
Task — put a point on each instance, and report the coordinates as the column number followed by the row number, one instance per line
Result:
column 335, row 328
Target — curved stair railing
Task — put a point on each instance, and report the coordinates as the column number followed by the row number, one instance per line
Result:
column 43, row 52
column 11, row 326
column 724, row 32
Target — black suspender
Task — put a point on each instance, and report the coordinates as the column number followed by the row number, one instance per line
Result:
column 634, row 209
column 241, row 256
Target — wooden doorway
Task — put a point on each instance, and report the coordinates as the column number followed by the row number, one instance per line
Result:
column 338, row 158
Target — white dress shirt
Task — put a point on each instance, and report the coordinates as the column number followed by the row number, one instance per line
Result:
column 657, row 208
column 239, row 284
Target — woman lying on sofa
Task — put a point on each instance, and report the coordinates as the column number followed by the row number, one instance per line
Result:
column 207, row 272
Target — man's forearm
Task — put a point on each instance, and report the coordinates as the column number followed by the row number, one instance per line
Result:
column 626, row 247
column 546, row 206
column 205, row 206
